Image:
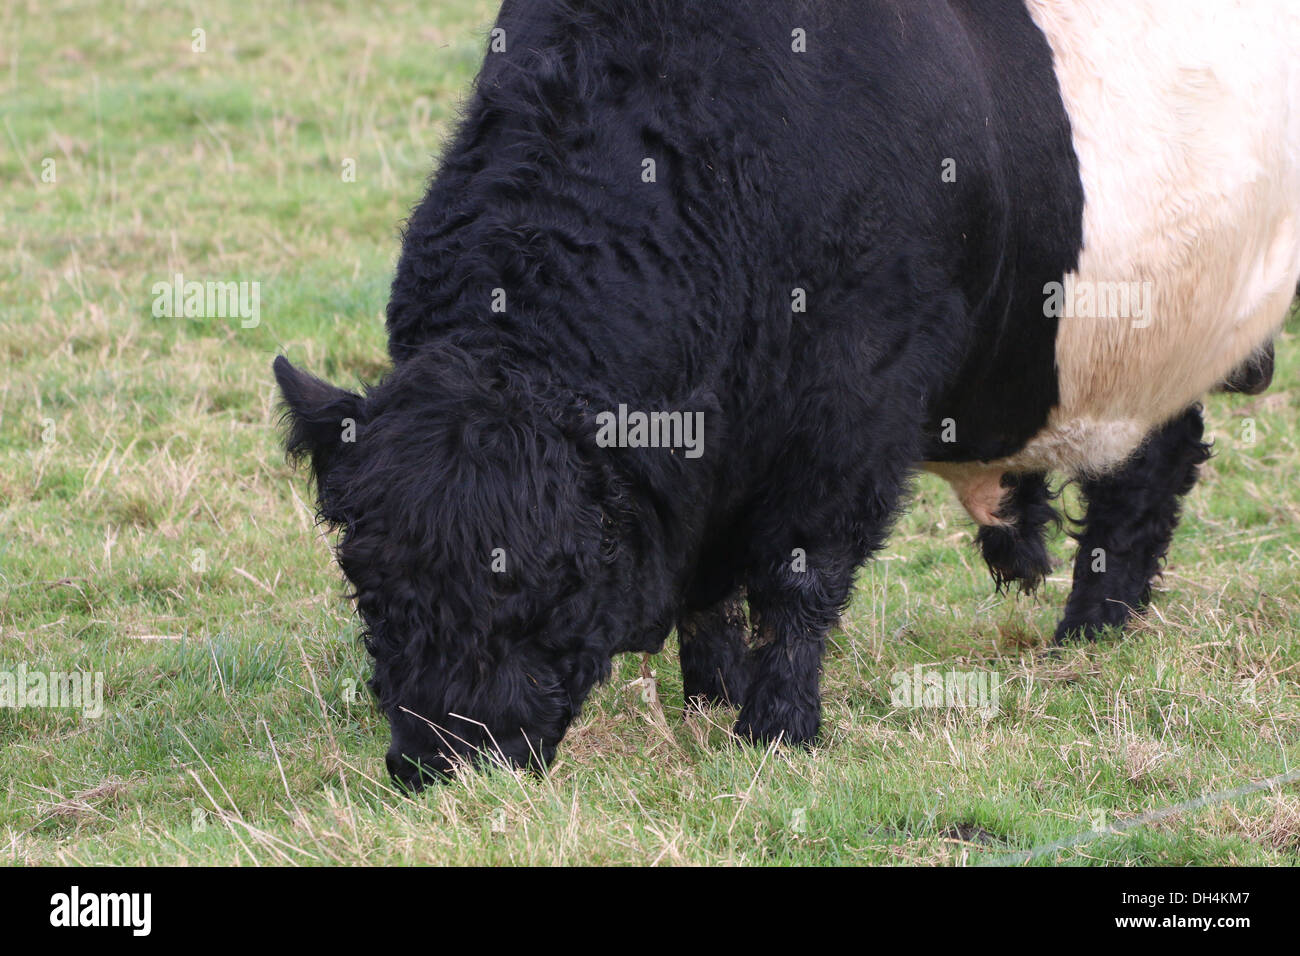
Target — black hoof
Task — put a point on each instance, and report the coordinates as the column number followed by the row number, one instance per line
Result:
column 786, row 726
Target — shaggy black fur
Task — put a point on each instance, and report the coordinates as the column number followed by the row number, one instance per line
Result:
column 677, row 293
column 1130, row 521
column 1017, row 551
column 714, row 645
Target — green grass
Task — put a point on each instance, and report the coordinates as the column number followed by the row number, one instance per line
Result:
column 159, row 537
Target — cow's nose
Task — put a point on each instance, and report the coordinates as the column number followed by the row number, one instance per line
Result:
column 404, row 772
column 414, row 773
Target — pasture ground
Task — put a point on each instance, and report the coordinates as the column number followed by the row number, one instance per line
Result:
column 151, row 531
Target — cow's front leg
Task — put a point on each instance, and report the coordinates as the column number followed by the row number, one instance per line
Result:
column 792, row 606
column 714, row 652
column 1128, row 526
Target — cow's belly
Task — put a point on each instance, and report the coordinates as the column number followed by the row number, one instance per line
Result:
column 1188, row 150
column 1187, row 130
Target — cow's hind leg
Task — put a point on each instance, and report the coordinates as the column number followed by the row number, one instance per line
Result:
column 1128, row 526
column 1016, row 549
column 713, row 648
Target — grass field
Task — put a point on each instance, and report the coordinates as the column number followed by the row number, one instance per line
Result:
column 151, row 531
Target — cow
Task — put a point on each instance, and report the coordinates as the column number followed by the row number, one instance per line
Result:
column 1007, row 239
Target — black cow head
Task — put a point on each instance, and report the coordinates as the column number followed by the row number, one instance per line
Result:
column 480, row 545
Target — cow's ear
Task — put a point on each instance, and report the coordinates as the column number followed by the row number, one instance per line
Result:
column 319, row 416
